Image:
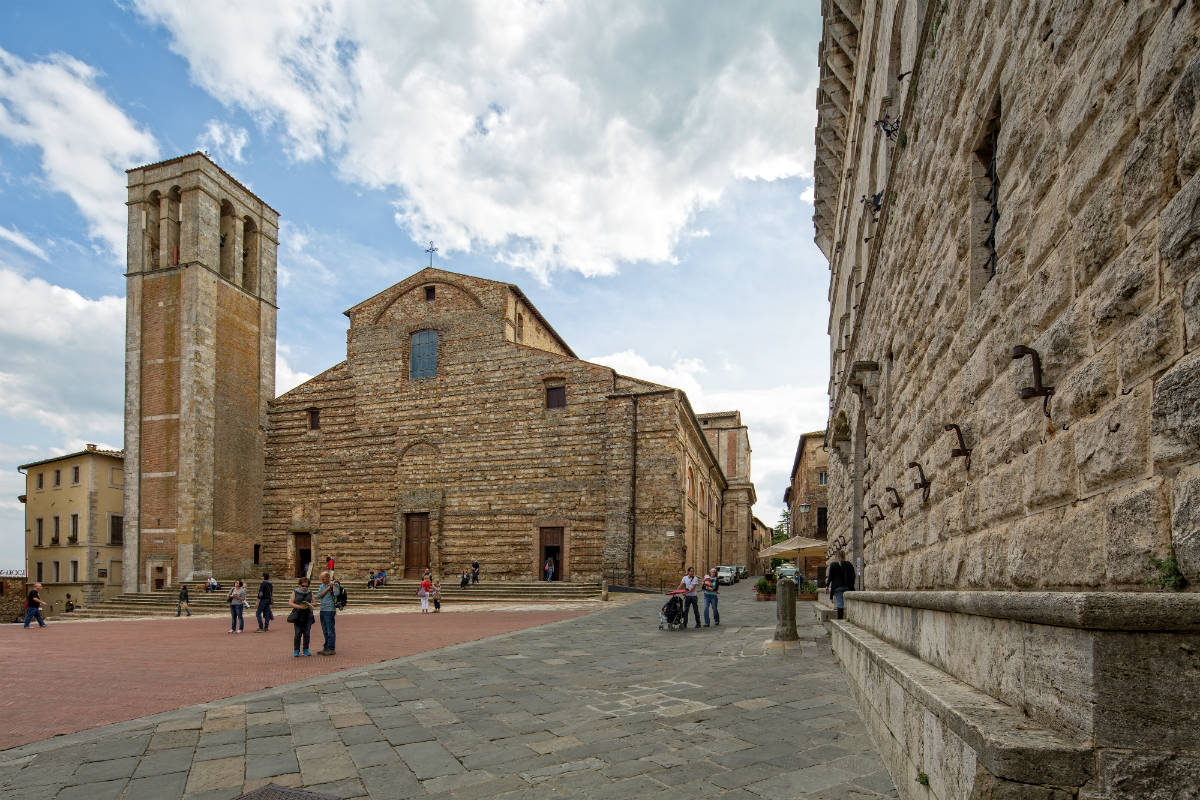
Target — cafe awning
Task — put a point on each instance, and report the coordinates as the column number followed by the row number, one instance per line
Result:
column 795, row 547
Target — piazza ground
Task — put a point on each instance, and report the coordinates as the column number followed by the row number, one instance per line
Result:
column 600, row 704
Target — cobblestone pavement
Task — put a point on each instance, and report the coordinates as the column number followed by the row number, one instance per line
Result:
column 600, row 706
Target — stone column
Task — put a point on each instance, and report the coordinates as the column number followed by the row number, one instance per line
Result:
column 785, row 611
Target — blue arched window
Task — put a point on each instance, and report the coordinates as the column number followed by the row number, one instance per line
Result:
column 422, row 361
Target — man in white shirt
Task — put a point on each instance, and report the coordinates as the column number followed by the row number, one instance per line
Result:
column 691, row 599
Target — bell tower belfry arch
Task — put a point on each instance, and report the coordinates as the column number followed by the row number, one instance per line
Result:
column 199, row 370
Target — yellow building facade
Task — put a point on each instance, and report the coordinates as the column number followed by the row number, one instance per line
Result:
column 74, row 526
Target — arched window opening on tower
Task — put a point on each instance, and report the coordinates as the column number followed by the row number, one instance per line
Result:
column 423, row 355
column 228, row 239
column 150, row 224
column 249, row 255
column 172, row 223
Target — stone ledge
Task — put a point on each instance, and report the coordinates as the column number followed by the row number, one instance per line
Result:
column 1111, row 611
column 1007, row 744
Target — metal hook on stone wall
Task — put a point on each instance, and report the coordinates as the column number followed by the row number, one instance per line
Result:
column 878, row 511
column 922, row 484
column 1037, row 390
column 962, row 451
column 895, row 502
column 867, row 520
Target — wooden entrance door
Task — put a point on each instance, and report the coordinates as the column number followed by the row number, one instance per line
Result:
column 302, row 550
column 416, row 544
column 552, row 548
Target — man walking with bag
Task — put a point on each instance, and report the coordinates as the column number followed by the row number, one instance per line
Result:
column 182, row 608
column 266, row 595
column 327, row 594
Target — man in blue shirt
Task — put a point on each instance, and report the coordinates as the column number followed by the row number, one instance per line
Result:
column 328, row 596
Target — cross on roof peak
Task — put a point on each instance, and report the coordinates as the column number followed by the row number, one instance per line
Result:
column 431, row 250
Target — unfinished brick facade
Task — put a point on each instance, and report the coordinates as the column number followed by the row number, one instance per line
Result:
column 1009, row 198
column 462, row 427
column 729, row 439
column 199, row 367
column 807, row 499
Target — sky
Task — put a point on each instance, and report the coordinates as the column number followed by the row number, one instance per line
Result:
column 643, row 171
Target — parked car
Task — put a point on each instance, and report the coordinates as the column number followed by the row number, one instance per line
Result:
column 726, row 575
column 788, row 571
column 742, row 572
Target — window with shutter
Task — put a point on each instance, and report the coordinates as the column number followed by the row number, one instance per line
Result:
column 423, row 355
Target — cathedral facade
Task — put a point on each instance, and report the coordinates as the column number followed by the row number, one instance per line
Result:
column 459, row 428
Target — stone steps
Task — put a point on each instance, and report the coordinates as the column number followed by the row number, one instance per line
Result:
column 162, row 602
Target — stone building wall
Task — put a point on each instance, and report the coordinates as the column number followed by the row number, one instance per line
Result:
column 729, row 440
column 12, row 598
column 809, row 489
column 199, row 370
column 476, row 448
column 1033, row 184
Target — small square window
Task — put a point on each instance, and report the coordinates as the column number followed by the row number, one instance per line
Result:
column 556, row 397
column 314, row 419
column 822, row 478
column 430, row 293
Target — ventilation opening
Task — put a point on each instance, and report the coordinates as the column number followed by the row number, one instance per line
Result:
column 430, row 293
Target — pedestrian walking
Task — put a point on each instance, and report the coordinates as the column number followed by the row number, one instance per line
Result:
column 690, row 600
column 712, row 591
column 237, row 604
column 301, row 616
column 266, row 595
column 423, row 593
column 182, row 608
column 840, row 579
column 475, row 571
column 437, row 595
column 328, row 594
column 548, row 568
column 33, row 606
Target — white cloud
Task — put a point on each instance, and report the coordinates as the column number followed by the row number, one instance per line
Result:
column 286, row 378
column 775, row 416
column 558, row 134
column 224, row 141
column 87, row 142
column 61, row 363
column 22, row 241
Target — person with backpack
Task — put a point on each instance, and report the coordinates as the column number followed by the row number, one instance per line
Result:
column 712, row 592
column 840, row 579
column 328, row 595
column 266, row 595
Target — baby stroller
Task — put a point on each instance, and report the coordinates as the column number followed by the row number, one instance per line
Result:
column 671, row 614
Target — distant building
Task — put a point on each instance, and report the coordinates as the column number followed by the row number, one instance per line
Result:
column 807, row 498
column 729, row 440
column 74, row 527
column 761, row 535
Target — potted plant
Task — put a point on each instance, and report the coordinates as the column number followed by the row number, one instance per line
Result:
column 764, row 589
column 807, row 590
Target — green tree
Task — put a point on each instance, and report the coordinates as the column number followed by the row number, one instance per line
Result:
column 783, row 528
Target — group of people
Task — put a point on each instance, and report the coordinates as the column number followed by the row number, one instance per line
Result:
column 376, row 579
column 469, row 577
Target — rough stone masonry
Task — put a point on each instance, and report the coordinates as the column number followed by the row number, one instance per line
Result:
column 1009, row 198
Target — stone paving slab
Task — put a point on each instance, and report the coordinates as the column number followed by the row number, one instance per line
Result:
column 600, row 706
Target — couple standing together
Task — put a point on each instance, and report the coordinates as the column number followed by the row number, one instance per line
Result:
column 712, row 592
column 301, row 602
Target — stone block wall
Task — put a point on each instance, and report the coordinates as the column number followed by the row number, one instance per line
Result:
column 1097, row 255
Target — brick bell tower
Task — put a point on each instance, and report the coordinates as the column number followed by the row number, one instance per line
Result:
column 199, row 371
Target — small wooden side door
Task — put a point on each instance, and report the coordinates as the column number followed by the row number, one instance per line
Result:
column 416, row 544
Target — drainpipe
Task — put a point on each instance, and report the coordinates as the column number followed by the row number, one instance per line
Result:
column 633, row 489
